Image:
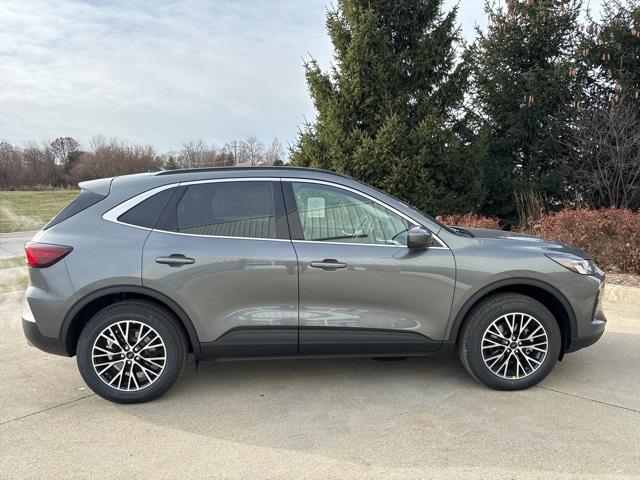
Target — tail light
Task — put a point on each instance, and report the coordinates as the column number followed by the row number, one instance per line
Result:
column 42, row 255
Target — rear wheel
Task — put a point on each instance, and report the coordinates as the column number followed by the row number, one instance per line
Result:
column 131, row 352
column 510, row 342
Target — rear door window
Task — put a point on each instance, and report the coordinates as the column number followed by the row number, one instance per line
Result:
column 249, row 209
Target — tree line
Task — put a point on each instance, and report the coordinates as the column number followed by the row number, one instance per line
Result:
column 63, row 162
column 540, row 111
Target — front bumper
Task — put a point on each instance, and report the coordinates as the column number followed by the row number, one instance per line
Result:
column 582, row 342
column 36, row 339
column 596, row 326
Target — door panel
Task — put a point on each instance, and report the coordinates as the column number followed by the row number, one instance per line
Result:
column 240, row 292
column 361, row 289
column 381, row 289
column 233, row 284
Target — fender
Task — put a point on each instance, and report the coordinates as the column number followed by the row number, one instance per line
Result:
column 135, row 289
column 501, row 284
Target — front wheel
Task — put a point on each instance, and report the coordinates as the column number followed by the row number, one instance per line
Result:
column 131, row 352
column 510, row 342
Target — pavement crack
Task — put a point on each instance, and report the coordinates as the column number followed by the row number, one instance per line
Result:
column 589, row 399
column 46, row 409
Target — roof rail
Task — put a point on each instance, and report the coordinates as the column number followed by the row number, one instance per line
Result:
column 225, row 169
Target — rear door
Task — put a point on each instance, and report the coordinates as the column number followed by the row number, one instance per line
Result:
column 222, row 251
column 361, row 289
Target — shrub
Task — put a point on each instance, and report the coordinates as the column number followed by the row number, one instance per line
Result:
column 470, row 220
column 611, row 236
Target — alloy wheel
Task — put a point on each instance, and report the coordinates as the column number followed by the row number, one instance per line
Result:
column 514, row 346
column 129, row 355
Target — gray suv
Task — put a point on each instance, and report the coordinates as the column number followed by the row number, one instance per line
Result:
column 229, row 263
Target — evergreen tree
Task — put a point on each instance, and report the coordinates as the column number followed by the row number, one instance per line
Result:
column 387, row 110
column 526, row 87
column 171, row 163
column 612, row 47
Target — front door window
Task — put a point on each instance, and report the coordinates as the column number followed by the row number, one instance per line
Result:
column 331, row 214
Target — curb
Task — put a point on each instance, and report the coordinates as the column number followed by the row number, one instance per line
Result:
column 621, row 294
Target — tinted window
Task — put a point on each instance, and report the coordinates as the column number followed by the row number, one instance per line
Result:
column 81, row 202
column 231, row 209
column 146, row 213
column 335, row 215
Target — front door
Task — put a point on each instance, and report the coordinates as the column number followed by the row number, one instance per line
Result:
column 221, row 250
column 362, row 291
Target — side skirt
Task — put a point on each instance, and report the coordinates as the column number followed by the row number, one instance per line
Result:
column 286, row 342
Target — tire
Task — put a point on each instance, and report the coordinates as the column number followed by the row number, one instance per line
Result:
column 111, row 367
column 488, row 323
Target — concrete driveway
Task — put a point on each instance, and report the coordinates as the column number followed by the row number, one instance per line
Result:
column 419, row 418
column 12, row 244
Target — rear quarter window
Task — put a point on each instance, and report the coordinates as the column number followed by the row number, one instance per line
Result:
column 146, row 213
column 83, row 201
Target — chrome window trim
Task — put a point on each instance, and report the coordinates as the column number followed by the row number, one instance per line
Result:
column 115, row 212
column 409, row 219
column 386, row 245
column 218, row 236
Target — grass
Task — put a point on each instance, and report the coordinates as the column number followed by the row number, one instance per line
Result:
column 13, row 275
column 14, row 283
column 20, row 211
column 12, row 262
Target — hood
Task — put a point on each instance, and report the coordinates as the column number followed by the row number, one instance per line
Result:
column 524, row 240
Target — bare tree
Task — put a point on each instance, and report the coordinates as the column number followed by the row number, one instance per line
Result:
column 62, row 162
column 275, row 153
column 108, row 157
column 11, row 169
column 194, row 154
column 251, row 151
column 233, row 149
column 40, row 164
column 65, row 151
column 605, row 160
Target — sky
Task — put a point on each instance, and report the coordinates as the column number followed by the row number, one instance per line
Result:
column 163, row 72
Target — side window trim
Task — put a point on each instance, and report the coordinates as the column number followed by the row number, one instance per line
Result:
column 289, row 213
column 164, row 225
column 114, row 213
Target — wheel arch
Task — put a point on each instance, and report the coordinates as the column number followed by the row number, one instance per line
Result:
column 541, row 291
column 87, row 306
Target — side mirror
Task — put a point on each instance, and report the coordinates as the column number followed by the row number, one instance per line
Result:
column 418, row 238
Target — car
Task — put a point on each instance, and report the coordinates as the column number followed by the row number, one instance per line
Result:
column 141, row 270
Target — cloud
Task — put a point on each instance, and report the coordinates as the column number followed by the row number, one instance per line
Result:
column 160, row 71
column 157, row 72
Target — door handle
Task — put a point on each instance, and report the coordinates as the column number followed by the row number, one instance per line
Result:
column 175, row 260
column 328, row 264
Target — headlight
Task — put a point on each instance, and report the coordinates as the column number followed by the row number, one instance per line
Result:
column 573, row 263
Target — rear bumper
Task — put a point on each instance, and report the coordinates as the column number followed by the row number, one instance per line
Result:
column 36, row 339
